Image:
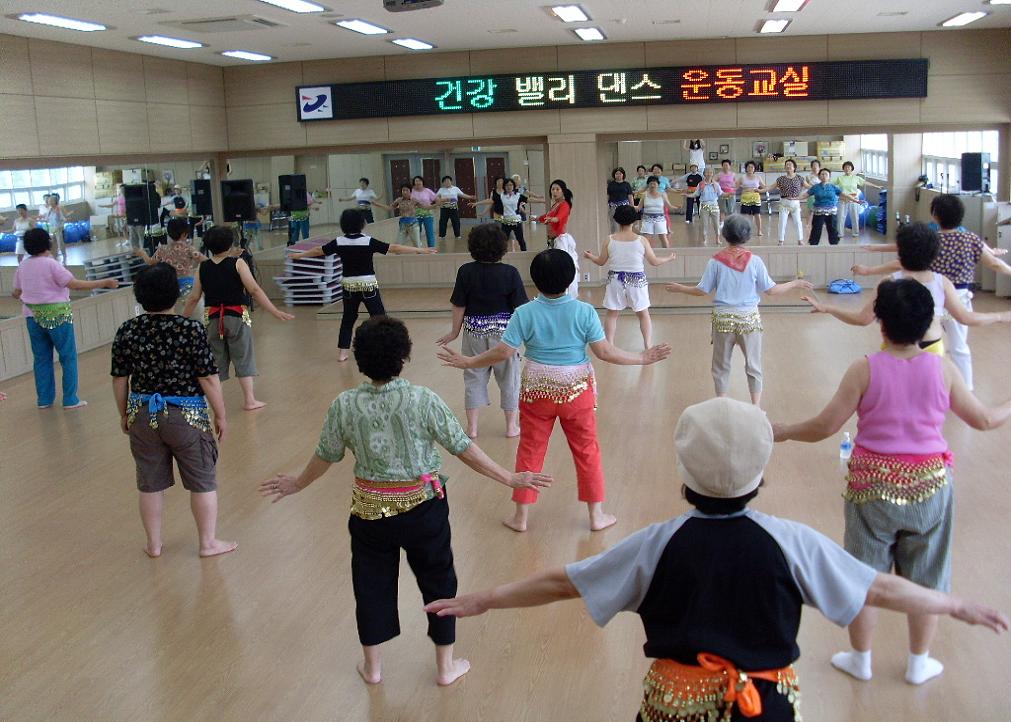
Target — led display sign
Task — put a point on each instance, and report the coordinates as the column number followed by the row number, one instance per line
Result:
column 778, row 82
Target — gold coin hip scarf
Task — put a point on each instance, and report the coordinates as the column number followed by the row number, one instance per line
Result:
column 371, row 500
column 51, row 315
column 192, row 408
column 675, row 692
column 733, row 322
column 751, row 198
column 561, row 384
column 900, row 480
column 353, row 286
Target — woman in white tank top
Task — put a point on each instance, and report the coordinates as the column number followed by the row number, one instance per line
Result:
column 652, row 205
column 625, row 255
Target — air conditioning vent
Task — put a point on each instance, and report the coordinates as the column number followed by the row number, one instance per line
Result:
column 229, row 24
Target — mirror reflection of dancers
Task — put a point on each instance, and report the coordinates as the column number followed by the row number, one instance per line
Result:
column 665, row 186
column 514, row 206
column 358, row 279
column 493, row 201
column 727, row 179
column 812, row 179
column 619, row 193
column 625, row 254
column 708, row 194
column 425, row 202
column 752, row 187
column 557, row 380
column 486, row 294
column 398, row 498
column 696, row 152
column 639, row 183
column 448, row 199
column 408, row 230
column 363, row 197
column 653, row 206
column 791, row 188
column 556, row 223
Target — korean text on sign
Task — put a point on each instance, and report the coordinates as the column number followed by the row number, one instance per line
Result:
column 614, row 87
column 476, row 93
column 732, row 83
column 540, row 90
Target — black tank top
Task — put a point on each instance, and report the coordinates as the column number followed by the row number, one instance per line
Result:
column 221, row 283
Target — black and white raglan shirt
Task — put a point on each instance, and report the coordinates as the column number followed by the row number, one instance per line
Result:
column 727, row 585
column 356, row 251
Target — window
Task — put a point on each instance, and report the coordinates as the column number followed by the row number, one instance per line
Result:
column 942, row 156
column 29, row 186
column 874, row 155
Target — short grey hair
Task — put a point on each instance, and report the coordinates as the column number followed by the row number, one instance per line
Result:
column 737, row 229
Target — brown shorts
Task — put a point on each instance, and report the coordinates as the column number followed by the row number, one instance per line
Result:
column 194, row 451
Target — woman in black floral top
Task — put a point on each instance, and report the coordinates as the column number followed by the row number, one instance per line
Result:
column 164, row 379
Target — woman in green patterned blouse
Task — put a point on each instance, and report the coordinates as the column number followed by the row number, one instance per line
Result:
column 398, row 500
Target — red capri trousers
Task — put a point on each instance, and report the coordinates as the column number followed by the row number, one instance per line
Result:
column 579, row 422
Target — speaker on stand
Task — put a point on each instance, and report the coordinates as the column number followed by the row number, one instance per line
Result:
column 239, row 205
column 976, row 172
column 142, row 206
column 293, row 192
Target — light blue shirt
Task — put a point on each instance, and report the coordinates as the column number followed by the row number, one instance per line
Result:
column 555, row 331
column 708, row 192
column 736, row 288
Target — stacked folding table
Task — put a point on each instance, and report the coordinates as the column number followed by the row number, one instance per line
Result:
column 310, row 281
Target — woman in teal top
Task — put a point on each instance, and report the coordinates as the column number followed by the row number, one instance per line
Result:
column 826, row 202
column 557, row 380
column 398, row 500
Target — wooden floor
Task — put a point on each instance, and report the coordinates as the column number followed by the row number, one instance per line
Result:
column 93, row 630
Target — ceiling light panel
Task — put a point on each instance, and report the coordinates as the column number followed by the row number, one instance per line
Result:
column 412, row 44
column 963, row 19
column 589, row 34
column 60, row 22
column 788, row 6
column 170, row 42
column 361, row 26
column 296, row 6
column 774, row 26
column 247, row 55
column 570, row 13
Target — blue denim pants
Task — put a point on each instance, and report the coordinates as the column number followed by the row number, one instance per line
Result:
column 428, row 223
column 44, row 340
column 296, row 229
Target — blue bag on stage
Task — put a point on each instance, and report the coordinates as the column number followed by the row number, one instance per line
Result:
column 844, row 285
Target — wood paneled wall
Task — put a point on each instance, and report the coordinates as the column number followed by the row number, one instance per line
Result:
column 70, row 100
column 969, row 82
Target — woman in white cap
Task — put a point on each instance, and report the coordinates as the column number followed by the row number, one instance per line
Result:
column 732, row 642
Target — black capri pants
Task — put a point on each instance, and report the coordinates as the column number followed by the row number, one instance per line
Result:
column 515, row 229
column 352, row 299
column 447, row 216
column 424, row 534
column 366, row 212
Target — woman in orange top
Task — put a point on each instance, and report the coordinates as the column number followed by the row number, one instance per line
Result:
column 557, row 220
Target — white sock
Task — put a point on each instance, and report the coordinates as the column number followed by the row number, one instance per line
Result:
column 854, row 663
column 922, row 667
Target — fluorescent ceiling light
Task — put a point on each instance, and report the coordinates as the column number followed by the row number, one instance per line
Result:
column 963, row 19
column 1000, row 2
column 788, row 6
column 589, row 33
column 247, row 55
column 58, row 22
column 774, row 26
column 361, row 26
column 412, row 44
column 296, row 6
column 170, row 42
column 570, row 13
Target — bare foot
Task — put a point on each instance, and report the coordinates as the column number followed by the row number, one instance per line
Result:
column 512, row 432
column 153, row 552
column 368, row 677
column 515, row 525
column 254, row 406
column 342, row 357
column 459, row 668
column 78, row 405
column 602, row 521
column 472, row 433
column 218, row 547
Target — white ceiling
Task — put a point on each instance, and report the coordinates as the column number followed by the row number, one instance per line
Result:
column 467, row 24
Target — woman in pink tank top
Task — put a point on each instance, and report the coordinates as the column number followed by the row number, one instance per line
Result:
column 898, row 507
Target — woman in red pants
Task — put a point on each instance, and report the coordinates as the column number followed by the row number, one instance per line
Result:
column 557, row 380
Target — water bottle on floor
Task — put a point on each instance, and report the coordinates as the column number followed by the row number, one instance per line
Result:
column 846, row 447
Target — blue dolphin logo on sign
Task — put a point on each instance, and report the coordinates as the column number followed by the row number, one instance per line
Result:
column 313, row 105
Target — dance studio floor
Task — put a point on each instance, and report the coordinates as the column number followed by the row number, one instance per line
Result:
column 94, row 630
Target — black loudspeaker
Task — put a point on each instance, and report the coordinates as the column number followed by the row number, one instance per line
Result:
column 976, row 171
column 237, row 199
column 142, row 202
column 293, row 193
column 201, row 202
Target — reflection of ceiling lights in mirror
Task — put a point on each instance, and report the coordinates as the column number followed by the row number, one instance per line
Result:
column 589, row 34
column 170, row 42
column 60, row 22
column 247, row 55
column 666, row 22
column 774, row 26
column 296, row 6
column 963, row 19
column 412, row 44
column 503, row 31
column 893, row 13
column 570, row 13
column 361, row 26
column 788, row 6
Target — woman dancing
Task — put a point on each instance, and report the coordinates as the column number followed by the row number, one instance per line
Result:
column 708, row 194
column 619, row 193
column 398, row 499
column 556, row 222
column 627, row 286
column 696, row 152
column 899, row 492
column 425, row 201
column 791, row 188
column 448, row 198
column 514, row 205
column 654, row 206
column 728, row 189
column 494, row 200
column 557, row 380
column 752, row 187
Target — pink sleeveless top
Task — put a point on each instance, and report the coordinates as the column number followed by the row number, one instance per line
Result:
column 903, row 409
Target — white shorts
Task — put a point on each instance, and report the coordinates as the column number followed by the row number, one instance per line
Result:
column 653, row 224
column 19, row 246
column 619, row 296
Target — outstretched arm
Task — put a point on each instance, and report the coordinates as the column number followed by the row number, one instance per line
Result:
column 284, row 485
column 552, row 585
column 652, row 258
column 682, row 288
column 492, row 356
column 254, row 290
column 606, row 351
column 842, row 406
column 483, row 464
column 953, row 305
column 455, row 330
column 195, row 293
column 780, row 288
column 880, row 270
column 889, row 591
column 969, row 408
column 599, row 260
column 990, row 260
column 399, row 249
column 311, row 253
column 859, row 317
